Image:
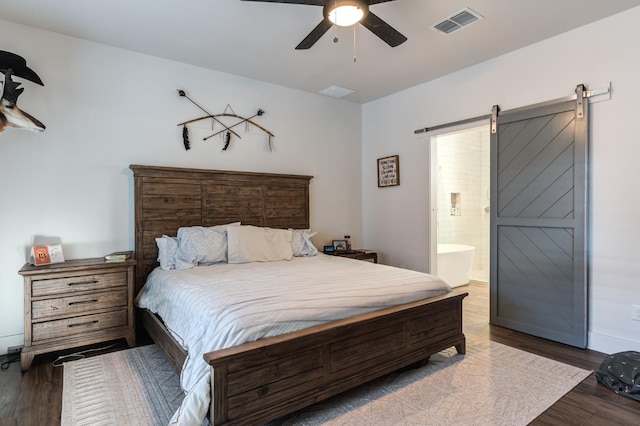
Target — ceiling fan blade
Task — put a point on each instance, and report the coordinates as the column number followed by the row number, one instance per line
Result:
column 378, row 1
column 315, row 34
column 386, row 32
column 311, row 2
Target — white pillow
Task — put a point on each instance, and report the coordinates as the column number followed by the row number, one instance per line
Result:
column 167, row 248
column 199, row 245
column 301, row 244
column 255, row 244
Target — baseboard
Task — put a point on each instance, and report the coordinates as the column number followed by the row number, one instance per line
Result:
column 611, row 344
column 9, row 341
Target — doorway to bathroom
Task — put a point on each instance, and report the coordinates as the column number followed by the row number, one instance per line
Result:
column 460, row 200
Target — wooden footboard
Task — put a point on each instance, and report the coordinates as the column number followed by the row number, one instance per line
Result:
column 263, row 380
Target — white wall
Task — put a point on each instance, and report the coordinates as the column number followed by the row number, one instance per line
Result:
column 395, row 219
column 106, row 108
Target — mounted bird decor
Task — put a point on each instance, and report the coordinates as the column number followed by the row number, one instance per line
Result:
column 227, row 130
column 10, row 115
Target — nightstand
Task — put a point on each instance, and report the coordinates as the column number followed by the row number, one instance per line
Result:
column 360, row 255
column 76, row 303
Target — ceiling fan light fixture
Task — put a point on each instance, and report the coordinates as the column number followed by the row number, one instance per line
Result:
column 345, row 13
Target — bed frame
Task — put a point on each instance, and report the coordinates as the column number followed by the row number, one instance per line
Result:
column 269, row 378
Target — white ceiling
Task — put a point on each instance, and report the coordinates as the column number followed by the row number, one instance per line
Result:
column 257, row 40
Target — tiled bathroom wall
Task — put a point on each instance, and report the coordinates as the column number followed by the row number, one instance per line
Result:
column 463, row 183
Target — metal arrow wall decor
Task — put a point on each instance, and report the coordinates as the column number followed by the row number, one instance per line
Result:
column 227, row 130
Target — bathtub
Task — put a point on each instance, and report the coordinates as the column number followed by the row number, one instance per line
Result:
column 454, row 263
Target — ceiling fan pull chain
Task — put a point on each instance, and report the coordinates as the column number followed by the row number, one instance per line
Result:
column 354, row 43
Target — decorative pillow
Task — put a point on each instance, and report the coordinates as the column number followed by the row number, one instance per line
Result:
column 255, row 244
column 199, row 245
column 167, row 248
column 301, row 244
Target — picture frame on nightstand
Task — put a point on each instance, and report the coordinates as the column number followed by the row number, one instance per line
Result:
column 340, row 245
column 46, row 254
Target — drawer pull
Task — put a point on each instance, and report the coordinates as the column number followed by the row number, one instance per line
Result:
column 83, row 283
column 83, row 324
column 85, row 302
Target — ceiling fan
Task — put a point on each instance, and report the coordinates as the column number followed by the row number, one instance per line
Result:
column 346, row 13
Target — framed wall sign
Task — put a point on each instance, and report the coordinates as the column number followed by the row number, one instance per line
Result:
column 389, row 171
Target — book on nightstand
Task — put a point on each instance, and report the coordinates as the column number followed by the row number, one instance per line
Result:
column 118, row 256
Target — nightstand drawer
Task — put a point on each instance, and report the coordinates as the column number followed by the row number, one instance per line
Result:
column 63, row 307
column 79, row 325
column 77, row 283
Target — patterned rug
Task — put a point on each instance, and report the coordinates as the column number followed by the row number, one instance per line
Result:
column 132, row 387
column 492, row 384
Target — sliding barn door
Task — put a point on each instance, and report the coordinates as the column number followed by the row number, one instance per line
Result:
column 538, row 220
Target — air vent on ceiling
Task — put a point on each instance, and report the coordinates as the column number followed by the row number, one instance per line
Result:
column 336, row 91
column 457, row 21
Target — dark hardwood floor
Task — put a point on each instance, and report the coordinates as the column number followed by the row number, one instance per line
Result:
column 35, row 397
column 589, row 403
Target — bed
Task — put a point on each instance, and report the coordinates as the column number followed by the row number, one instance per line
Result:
column 255, row 382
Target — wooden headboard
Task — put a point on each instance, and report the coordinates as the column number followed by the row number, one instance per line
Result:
column 167, row 198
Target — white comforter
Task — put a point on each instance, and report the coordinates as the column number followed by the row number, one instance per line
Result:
column 219, row 306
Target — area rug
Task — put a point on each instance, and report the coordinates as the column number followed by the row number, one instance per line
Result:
column 131, row 387
column 492, row 384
